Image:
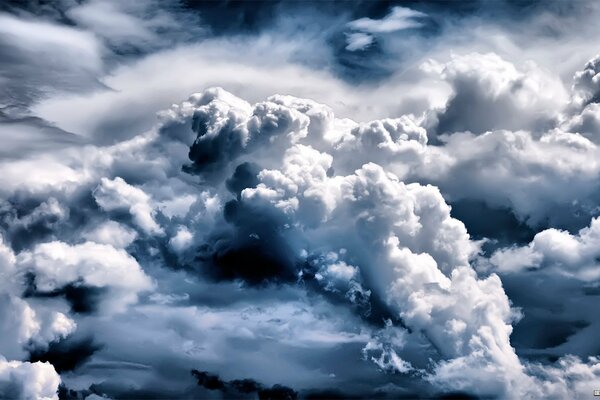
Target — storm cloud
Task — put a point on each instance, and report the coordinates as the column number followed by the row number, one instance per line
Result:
column 289, row 200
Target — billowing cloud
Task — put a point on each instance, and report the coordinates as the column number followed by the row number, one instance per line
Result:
column 24, row 380
column 89, row 266
column 489, row 93
column 116, row 194
column 429, row 231
column 571, row 255
column 586, row 86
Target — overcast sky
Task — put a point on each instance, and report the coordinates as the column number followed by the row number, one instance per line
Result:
column 299, row 200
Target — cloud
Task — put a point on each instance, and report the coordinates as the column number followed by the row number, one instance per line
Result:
column 116, row 194
column 518, row 171
column 39, row 55
column 182, row 240
column 567, row 254
column 22, row 325
column 490, row 93
column 66, row 355
column 274, row 230
column 406, row 245
column 111, row 233
column 57, row 266
column 243, row 386
column 399, row 18
column 586, row 85
column 358, row 41
column 24, row 380
column 283, row 194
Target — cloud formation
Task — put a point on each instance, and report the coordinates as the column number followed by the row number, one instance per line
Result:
column 428, row 229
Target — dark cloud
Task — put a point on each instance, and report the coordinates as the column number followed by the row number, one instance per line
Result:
column 81, row 298
column 249, row 254
column 499, row 224
column 244, row 176
column 67, row 355
column 243, row 387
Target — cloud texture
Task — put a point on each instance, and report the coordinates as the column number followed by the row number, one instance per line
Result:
column 432, row 231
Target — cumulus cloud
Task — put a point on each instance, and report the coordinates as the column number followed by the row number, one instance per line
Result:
column 57, row 265
column 489, row 93
column 116, row 194
column 302, row 205
column 418, row 256
column 403, row 240
column 564, row 253
column 24, row 380
column 520, row 172
column 111, row 233
column 181, row 240
column 21, row 325
column 275, row 231
column 586, row 85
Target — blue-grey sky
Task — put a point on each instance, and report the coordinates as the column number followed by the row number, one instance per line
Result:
column 299, row 200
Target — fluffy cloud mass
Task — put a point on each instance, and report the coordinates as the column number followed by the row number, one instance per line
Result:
column 431, row 229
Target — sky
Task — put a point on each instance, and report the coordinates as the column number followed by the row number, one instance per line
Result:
column 299, row 200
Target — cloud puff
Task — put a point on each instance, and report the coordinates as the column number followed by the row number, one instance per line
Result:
column 586, row 83
column 27, row 381
column 111, row 233
column 21, row 325
column 116, row 194
column 564, row 253
column 398, row 19
column 545, row 179
column 401, row 237
column 56, row 266
column 358, row 41
column 570, row 377
column 490, row 93
column 587, row 123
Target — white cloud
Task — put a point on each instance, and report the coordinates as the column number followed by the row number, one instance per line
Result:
column 22, row 326
column 353, row 197
column 586, row 85
column 182, row 239
column 569, row 377
column 57, row 264
column 116, row 194
column 491, row 93
column 563, row 253
column 111, row 233
column 398, row 19
column 43, row 38
column 106, row 19
column 539, row 179
column 28, row 381
column 358, row 41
